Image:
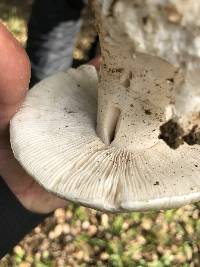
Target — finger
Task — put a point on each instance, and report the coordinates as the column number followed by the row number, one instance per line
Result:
column 14, row 76
column 96, row 62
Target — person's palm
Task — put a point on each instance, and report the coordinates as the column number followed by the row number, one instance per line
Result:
column 14, row 80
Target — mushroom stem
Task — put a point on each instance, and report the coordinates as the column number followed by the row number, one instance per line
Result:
column 117, row 57
column 115, row 74
column 135, row 83
column 127, row 80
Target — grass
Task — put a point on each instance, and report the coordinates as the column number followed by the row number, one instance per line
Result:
column 83, row 237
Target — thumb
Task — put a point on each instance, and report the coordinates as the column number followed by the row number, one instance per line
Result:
column 14, row 76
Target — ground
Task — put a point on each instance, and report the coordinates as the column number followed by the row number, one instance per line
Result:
column 83, row 237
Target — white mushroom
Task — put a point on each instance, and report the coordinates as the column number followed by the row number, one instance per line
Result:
column 123, row 165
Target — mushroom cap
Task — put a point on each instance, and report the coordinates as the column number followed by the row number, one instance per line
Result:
column 53, row 136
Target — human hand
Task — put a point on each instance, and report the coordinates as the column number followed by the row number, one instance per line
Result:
column 14, row 81
column 96, row 62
